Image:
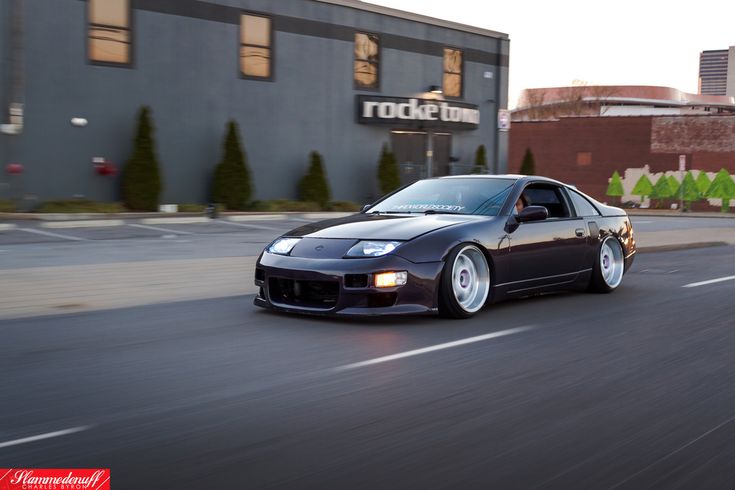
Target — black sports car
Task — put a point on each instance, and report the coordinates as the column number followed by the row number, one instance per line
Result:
column 449, row 245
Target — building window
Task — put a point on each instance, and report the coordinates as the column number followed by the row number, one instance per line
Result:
column 452, row 83
column 367, row 58
column 109, row 31
column 584, row 158
column 256, row 42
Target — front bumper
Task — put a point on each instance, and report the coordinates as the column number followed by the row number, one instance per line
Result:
column 343, row 286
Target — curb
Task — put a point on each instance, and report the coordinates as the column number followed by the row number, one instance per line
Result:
column 232, row 216
column 680, row 246
column 93, row 223
column 677, row 214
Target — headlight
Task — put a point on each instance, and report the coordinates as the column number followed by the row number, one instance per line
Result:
column 372, row 249
column 282, row 246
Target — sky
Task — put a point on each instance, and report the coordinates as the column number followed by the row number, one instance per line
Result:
column 555, row 43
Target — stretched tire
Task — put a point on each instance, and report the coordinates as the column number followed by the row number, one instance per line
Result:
column 465, row 282
column 607, row 271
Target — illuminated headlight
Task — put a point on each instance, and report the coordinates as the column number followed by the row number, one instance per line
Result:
column 282, row 246
column 372, row 249
column 390, row 279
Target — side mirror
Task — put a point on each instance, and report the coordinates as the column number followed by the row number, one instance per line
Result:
column 533, row 213
column 365, row 207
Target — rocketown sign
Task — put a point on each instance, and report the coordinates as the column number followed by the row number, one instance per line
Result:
column 416, row 113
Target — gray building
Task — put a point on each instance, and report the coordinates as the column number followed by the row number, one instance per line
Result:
column 341, row 77
column 717, row 72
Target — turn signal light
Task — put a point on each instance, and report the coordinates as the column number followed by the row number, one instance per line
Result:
column 390, row 279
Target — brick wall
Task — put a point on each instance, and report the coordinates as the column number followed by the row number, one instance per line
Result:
column 585, row 151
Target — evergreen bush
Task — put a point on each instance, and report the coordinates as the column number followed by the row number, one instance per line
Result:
column 141, row 178
column 480, row 161
column 389, row 178
column 231, row 183
column 528, row 166
column 314, row 186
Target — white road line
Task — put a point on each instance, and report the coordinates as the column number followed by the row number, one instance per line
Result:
column 55, row 235
column 448, row 345
column 711, row 281
column 257, row 217
column 7, row 226
column 47, row 435
column 156, row 228
column 174, row 220
column 247, row 225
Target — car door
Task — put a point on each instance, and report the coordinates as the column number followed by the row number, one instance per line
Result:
column 551, row 251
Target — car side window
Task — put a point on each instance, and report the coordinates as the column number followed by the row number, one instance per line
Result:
column 582, row 205
column 548, row 196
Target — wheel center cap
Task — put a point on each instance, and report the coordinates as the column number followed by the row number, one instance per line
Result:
column 464, row 278
column 605, row 261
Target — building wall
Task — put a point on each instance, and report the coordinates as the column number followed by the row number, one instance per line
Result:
column 619, row 143
column 186, row 68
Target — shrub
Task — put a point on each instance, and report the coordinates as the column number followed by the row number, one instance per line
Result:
column 231, row 184
column 480, row 161
column 141, row 179
column 389, row 178
column 313, row 186
column 344, row 206
column 282, row 205
column 528, row 166
column 192, row 208
column 6, row 206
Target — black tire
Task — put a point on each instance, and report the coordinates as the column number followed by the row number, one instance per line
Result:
column 609, row 266
column 466, row 270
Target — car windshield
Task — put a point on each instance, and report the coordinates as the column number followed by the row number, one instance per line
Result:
column 482, row 196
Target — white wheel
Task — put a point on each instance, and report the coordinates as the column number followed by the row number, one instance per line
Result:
column 470, row 279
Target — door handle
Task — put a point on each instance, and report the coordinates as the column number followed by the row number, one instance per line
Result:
column 579, row 232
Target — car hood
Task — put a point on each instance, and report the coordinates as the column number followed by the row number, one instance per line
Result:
column 380, row 226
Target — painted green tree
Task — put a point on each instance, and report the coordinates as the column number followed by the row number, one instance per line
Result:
column 141, row 178
column 480, row 161
column 643, row 187
column 528, row 166
column 389, row 177
column 674, row 184
column 231, row 183
column 722, row 187
column 662, row 190
column 615, row 187
column 689, row 192
column 703, row 183
column 314, row 186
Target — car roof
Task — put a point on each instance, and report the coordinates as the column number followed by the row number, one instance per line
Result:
column 526, row 178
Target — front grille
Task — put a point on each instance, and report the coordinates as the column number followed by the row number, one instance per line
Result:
column 308, row 294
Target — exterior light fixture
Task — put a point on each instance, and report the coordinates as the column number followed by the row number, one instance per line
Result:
column 435, row 89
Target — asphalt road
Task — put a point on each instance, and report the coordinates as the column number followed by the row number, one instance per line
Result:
column 628, row 390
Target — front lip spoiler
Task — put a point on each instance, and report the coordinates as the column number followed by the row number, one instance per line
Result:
column 396, row 310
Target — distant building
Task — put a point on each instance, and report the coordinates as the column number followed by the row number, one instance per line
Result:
column 616, row 100
column 717, row 72
column 581, row 135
